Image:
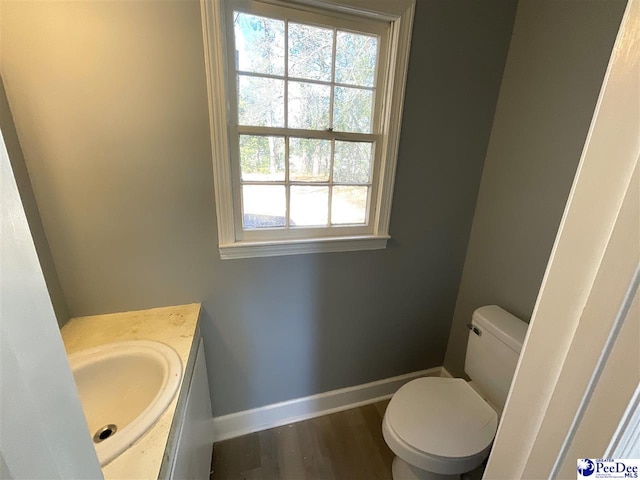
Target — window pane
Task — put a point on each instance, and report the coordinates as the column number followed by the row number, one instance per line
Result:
column 309, row 105
column 260, row 101
column 349, row 205
column 352, row 162
column 310, row 50
column 356, row 59
column 263, row 206
column 352, row 110
column 309, row 206
column 309, row 159
column 259, row 44
column 261, row 158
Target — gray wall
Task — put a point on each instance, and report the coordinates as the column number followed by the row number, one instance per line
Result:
column 33, row 215
column 110, row 103
column 557, row 59
column 36, row 407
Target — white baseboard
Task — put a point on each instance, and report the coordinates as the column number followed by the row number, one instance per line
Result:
column 283, row 413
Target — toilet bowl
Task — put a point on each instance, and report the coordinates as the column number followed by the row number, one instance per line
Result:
column 439, row 425
column 440, row 428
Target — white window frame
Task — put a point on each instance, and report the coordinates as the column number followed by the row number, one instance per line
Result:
column 233, row 241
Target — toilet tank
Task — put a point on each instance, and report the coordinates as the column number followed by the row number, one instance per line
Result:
column 493, row 349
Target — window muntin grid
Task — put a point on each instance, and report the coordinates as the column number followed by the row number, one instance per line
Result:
column 349, row 202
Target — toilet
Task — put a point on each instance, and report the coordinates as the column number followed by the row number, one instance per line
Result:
column 440, row 428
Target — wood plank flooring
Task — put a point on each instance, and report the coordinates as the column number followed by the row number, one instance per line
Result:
column 342, row 446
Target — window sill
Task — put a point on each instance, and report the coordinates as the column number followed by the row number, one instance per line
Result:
column 299, row 247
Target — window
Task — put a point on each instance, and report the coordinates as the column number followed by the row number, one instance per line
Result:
column 305, row 122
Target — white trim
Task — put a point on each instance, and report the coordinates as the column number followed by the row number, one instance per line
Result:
column 398, row 62
column 626, row 441
column 400, row 15
column 301, row 246
column 283, row 413
column 214, row 59
column 378, row 9
column 597, row 373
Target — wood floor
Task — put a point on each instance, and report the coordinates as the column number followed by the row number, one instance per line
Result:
column 342, row 446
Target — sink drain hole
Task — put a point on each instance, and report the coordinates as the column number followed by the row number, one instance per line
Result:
column 105, row 432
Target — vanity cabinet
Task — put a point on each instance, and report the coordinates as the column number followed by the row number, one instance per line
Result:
column 179, row 444
column 191, row 448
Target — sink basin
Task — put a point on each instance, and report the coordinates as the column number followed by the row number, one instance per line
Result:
column 124, row 387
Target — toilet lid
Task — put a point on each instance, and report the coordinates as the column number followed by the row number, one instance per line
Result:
column 443, row 417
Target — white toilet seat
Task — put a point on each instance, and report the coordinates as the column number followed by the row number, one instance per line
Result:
column 440, row 425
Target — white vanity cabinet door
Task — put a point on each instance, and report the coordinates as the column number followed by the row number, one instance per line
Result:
column 194, row 442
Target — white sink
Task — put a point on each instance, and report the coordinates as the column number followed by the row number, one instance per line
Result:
column 124, row 387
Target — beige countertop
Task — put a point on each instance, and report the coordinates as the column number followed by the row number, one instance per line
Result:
column 173, row 326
